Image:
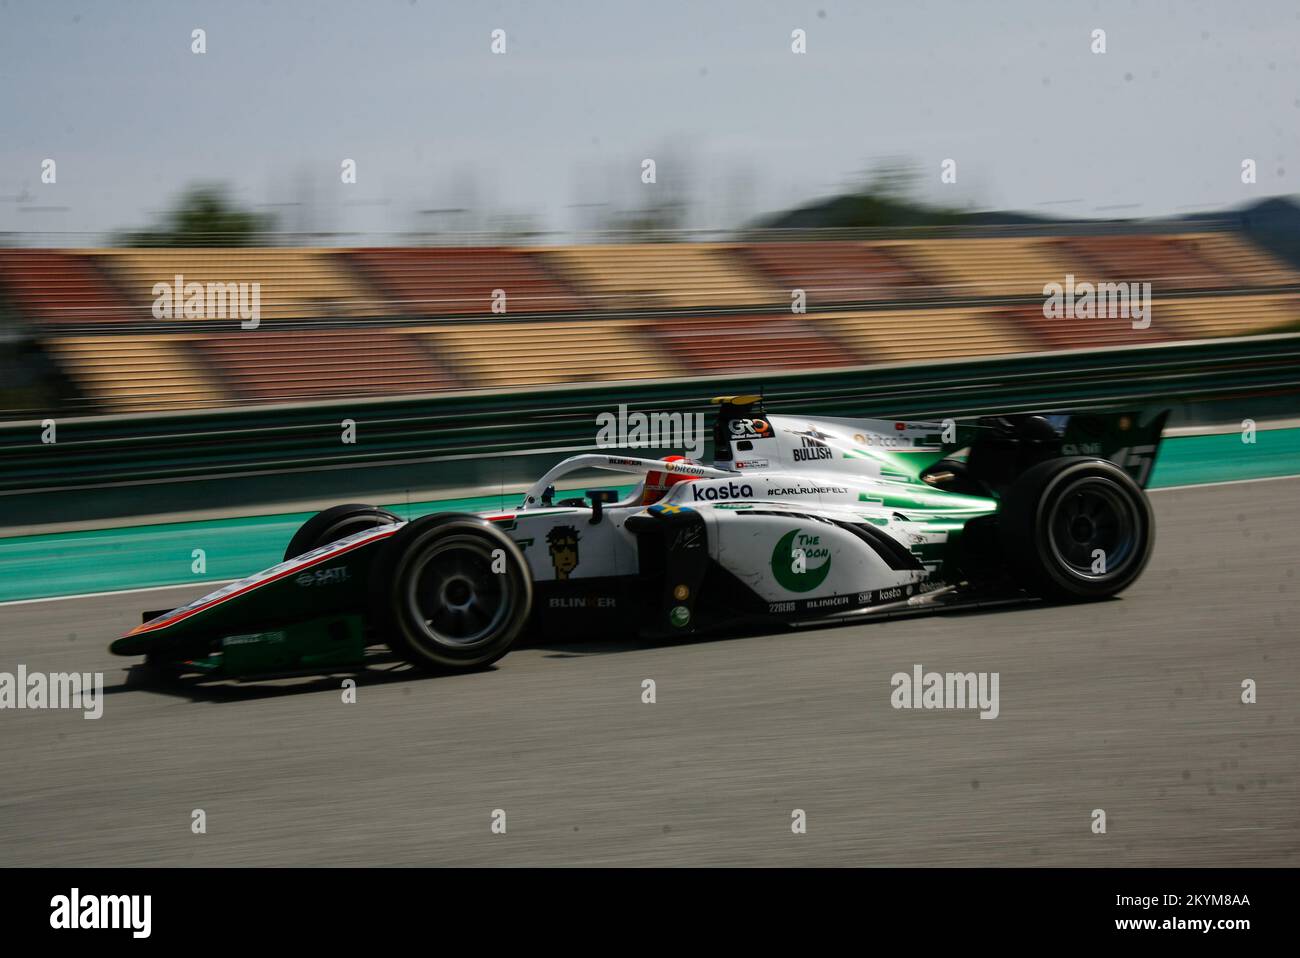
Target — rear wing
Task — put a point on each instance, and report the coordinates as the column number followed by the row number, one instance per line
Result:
column 1125, row 438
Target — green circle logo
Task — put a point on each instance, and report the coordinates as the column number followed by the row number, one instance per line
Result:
column 800, row 562
column 680, row 616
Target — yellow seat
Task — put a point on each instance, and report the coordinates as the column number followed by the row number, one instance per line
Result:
column 521, row 354
column 664, row 275
column 1212, row 316
column 1240, row 260
column 997, row 266
column 917, row 335
column 294, row 283
column 137, row 373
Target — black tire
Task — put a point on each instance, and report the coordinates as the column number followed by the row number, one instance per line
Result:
column 436, row 599
column 335, row 523
column 1059, row 512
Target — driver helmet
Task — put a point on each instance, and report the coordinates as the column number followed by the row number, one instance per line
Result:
column 657, row 484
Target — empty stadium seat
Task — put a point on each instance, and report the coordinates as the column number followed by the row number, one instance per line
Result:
column 1163, row 261
column 59, row 287
column 520, row 354
column 666, row 275
column 706, row 345
column 452, row 280
column 990, row 266
column 835, row 272
column 1080, row 333
column 294, row 283
column 1212, row 316
column 137, row 373
column 1236, row 257
column 918, row 335
column 267, row 366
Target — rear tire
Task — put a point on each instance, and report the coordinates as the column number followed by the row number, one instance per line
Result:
column 450, row 593
column 1075, row 529
column 333, row 524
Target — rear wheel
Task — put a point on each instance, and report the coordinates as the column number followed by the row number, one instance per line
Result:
column 1076, row 529
column 335, row 523
column 450, row 592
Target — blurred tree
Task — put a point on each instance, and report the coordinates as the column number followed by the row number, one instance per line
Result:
column 204, row 216
column 883, row 196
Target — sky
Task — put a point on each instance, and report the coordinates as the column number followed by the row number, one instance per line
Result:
column 555, row 129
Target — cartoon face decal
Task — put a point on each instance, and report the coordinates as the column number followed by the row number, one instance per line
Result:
column 562, row 543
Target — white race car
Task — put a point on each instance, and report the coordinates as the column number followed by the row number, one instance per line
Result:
column 798, row 519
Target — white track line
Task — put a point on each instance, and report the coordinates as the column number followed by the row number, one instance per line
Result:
column 1225, row 482
column 215, row 583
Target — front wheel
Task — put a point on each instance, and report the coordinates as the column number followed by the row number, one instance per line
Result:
column 450, row 593
column 1076, row 528
column 333, row 524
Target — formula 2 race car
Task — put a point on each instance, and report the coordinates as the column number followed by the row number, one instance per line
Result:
column 798, row 520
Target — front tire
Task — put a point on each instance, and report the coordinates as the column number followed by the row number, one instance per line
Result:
column 450, row 593
column 1076, row 529
column 333, row 524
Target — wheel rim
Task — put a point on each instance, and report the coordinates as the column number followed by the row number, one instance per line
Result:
column 1088, row 515
column 453, row 595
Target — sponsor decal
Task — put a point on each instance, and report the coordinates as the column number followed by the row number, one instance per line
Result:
column 887, row 442
column 856, row 600
column 750, row 429
column 751, row 464
column 890, row 595
column 811, row 450
column 721, row 491
column 800, row 562
column 680, row 616
column 254, row 638
column 812, row 445
column 562, row 544
column 332, row 576
column 813, row 433
column 583, row 602
column 802, row 490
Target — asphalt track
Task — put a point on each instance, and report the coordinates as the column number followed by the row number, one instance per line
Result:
column 1131, row 706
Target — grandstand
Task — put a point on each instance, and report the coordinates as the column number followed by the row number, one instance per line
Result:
column 266, row 366
column 294, row 283
column 991, row 267
column 522, row 354
column 709, row 346
column 453, row 281
column 396, row 321
column 836, row 271
column 137, row 373
column 57, row 287
column 663, row 276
